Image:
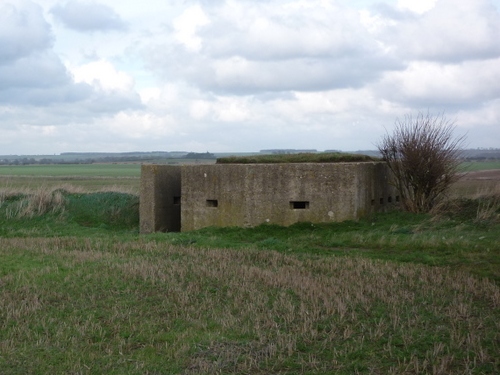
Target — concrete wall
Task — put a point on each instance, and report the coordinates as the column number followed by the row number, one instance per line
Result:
column 160, row 208
column 251, row 194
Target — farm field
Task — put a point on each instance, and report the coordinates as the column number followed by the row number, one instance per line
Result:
column 88, row 177
column 82, row 292
column 126, row 176
column 481, row 166
column 477, row 182
column 73, row 170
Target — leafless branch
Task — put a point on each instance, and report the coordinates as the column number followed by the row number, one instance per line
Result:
column 424, row 158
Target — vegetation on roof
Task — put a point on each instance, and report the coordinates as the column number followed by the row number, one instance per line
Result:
column 333, row 157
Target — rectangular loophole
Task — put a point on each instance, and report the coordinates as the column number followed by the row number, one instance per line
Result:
column 212, row 203
column 397, row 198
column 381, row 200
column 373, row 202
column 299, row 205
column 177, row 201
column 389, row 200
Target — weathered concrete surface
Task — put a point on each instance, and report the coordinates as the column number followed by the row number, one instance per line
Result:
column 251, row 194
column 160, row 208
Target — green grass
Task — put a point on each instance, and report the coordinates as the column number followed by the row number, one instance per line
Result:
column 73, row 170
column 81, row 292
column 60, row 213
column 104, row 305
column 86, row 184
column 480, row 166
column 464, row 244
column 89, row 177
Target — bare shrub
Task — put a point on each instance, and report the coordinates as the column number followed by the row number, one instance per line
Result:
column 424, row 158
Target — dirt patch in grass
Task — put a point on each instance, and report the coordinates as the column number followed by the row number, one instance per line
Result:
column 492, row 174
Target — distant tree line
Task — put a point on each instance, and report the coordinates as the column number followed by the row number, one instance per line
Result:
column 286, row 151
column 33, row 161
column 471, row 155
column 199, row 155
column 45, row 161
column 79, row 158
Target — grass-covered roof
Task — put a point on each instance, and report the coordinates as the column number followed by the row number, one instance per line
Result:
column 331, row 157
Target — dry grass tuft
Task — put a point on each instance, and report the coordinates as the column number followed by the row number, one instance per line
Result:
column 8, row 191
column 488, row 204
column 118, row 189
column 30, row 202
column 481, row 206
column 34, row 203
column 473, row 188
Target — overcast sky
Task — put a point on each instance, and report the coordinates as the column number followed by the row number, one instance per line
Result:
column 242, row 75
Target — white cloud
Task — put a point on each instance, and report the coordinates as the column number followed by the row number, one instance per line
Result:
column 23, row 30
column 33, row 75
column 200, row 109
column 420, row 6
column 187, row 25
column 140, row 125
column 232, row 110
column 249, row 47
column 266, row 31
column 451, row 31
column 237, row 74
column 487, row 117
column 431, row 84
column 86, row 16
column 231, row 75
column 103, row 75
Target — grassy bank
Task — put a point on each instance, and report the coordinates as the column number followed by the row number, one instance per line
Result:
column 462, row 234
column 49, row 212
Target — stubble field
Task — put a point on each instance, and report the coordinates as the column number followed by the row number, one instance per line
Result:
column 81, row 292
